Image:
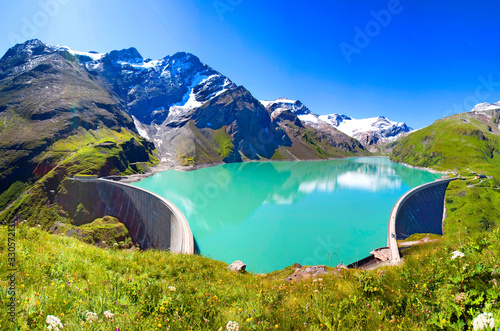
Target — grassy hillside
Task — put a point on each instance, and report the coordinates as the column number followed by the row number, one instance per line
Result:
column 155, row 290
column 99, row 152
column 42, row 103
column 466, row 144
column 455, row 142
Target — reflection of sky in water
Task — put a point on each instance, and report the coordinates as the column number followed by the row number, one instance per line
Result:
column 365, row 178
column 256, row 211
column 384, row 178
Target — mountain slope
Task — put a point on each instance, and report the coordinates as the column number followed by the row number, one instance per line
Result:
column 47, row 97
column 467, row 144
column 370, row 132
column 455, row 141
column 195, row 115
column 309, row 138
column 191, row 113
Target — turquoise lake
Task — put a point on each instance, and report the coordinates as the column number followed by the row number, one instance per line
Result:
column 271, row 215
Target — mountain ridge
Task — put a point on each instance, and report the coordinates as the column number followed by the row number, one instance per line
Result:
column 368, row 131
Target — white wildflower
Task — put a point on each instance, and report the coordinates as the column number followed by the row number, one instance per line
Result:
column 232, row 326
column 484, row 321
column 456, row 254
column 90, row 317
column 172, row 288
column 53, row 322
column 108, row 315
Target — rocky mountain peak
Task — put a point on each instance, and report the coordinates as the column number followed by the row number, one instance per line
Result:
column 295, row 106
column 334, row 119
column 129, row 55
column 27, row 49
column 481, row 107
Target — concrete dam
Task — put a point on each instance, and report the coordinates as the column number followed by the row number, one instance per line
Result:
column 152, row 221
column 420, row 210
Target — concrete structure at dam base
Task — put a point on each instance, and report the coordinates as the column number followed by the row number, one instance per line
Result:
column 152, row 221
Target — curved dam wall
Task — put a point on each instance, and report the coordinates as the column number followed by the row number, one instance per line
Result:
column 420, row 210
column 152, row 221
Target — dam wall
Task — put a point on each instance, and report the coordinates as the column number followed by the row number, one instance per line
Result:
column 152, row 221
column 420, row 210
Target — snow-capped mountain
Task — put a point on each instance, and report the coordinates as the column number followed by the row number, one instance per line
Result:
column 483, row 107
column 368, row 131
column 192, row 113
column 490, row 110
column 277, row 106
column 156, row 89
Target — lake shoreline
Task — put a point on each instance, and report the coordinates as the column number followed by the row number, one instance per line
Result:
column 296, row 183
column 164, row 167
column 434, row 171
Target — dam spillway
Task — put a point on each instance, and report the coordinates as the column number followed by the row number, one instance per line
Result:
column 152, row 221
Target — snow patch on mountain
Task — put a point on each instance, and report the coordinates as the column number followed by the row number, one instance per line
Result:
column 368, row 131
column 95, row 56
column 140, row 64
column 140, row 128
column 189, row 100
column 295, row 106
column 350, row 126
column 311, row 118
column 482, row 107
column 192, row 100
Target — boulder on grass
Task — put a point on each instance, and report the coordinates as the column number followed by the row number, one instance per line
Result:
column 237, row 266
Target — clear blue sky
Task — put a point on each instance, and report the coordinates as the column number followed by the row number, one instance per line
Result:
column 421, row 60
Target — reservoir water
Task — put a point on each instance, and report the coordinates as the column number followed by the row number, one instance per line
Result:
column 271, row 215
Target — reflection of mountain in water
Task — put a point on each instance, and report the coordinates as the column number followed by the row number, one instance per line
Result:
column 228, row 194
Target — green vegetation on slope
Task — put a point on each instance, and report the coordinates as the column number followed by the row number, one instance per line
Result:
column 91, row 152
column 466, row 144
column 307, row 143
column 42, row 105
column 107, row 232
column 14, row 191
column 458, row 142
column 224, row 142
column 156, row 290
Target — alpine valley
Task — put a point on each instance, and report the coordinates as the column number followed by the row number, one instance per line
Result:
column 65, row 113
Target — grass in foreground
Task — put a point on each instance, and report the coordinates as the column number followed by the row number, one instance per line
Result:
column 155, row 290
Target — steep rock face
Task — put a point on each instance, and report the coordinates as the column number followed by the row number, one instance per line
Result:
column 46, row 96
column 248, row 123
column 234, row 118
column 369, row 131
column 155, row 89
column 309, row 137
column 295, row 106
column 192, row 113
